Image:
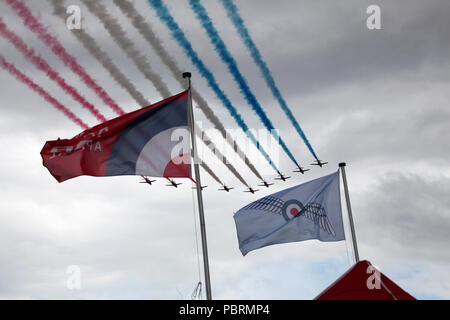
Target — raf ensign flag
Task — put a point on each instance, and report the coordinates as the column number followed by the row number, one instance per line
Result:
column 152, row 141
column 308, row 211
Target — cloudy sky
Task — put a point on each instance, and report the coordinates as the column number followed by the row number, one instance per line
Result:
column 376, row 99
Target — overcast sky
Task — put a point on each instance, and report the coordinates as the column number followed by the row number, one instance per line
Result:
column 376, row 99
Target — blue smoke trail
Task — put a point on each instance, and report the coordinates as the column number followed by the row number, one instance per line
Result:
column 228, row 59
column 178, row 34
column 242, row 30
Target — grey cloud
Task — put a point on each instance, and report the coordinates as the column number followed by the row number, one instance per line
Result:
column 376, row 99
column 407, row 215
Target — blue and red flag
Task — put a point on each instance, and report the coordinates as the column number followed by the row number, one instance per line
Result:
column 152, row 141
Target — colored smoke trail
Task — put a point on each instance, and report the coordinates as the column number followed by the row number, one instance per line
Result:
column 56, row 47
column 92, row 46
column 203, row 105
column 49, row 71
column 210, row 172
column 233, row 68
column 165, row 16
column 147, row 32
column 238, row 22
column 127, row 45
column 39, row 90
column 208, row 142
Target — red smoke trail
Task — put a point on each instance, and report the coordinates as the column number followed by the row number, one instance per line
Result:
column 33, row 86
column 51, row 73
column 35, row 26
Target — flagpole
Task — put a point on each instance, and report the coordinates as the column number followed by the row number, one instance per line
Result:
column 349, row 210
column 187, row 75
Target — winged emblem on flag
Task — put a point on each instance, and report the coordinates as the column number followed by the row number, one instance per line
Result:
column 292, row 209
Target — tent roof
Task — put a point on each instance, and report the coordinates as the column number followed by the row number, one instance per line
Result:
column 353, row 285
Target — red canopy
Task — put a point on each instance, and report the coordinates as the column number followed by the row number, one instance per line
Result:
column 360, row 282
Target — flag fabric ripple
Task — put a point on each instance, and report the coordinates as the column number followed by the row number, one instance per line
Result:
column 138, row 143
column 311, row 210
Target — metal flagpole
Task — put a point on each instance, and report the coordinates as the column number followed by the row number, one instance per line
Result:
column 187, row 75
column 349, row 210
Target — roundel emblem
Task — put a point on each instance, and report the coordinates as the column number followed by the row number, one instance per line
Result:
column 291, row 209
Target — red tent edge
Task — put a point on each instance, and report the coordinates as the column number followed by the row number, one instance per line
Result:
column 353, row 285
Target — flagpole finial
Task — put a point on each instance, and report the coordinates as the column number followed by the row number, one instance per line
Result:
column 342, row 164
column 187, row 75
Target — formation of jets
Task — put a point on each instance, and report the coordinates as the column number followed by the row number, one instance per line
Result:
column 250, row 189
column 225, row 188
column 147, row 180
column 201, row 188
column 282, row 177
column 301, row 170
column 172, row 183
column 319, row 163
column 265, row 184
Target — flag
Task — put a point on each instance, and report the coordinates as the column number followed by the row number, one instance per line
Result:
column 152, row 141
column 311, row 210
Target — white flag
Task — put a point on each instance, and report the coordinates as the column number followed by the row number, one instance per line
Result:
column 311, row 210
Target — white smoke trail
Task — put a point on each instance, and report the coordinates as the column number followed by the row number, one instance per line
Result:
column 91, row 45
column 119, row 36
column 146, row 30
column 207, row 141
column 210, row 172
